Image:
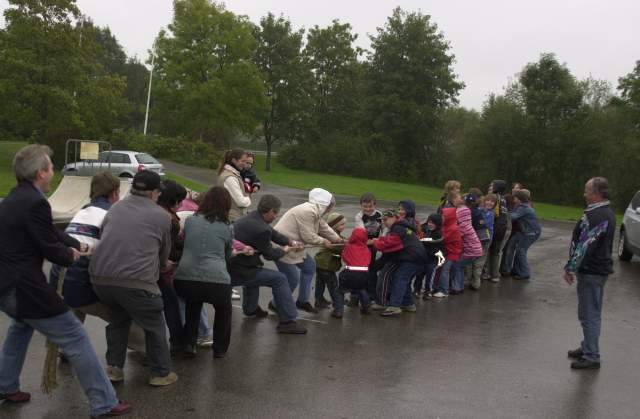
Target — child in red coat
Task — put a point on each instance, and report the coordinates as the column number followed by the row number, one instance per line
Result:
column 453, row 249
column 357, row 257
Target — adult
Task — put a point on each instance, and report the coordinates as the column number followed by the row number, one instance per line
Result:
column 528, row 231
column 255, row 230
column 229, row 176
column 27, row 237
column 590, row 263
column 203, row 275
column 501, row 231
column 172, row 196
column 304, row 223
column 124, row 269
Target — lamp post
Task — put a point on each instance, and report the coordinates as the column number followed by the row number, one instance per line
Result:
column 146, row 114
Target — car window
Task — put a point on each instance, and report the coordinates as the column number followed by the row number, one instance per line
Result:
column 124, row 158
column 103, row 157
column 635, row 202
column 144, row 158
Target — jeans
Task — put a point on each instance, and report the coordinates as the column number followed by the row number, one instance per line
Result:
column 431, row 270
column 445, row 271
column 67, row 332
column 492, row 267
column 203, row 328
column 283, row 299
column 325, row 280
column 457, row 282
column 509, row 254
column 590, row 291
column 146, row 309
column 195, row 293
column 401, row 294
column 521, row 264
column 301, row 273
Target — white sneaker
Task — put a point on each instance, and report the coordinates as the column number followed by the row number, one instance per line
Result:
column 168, row 379
column 205, row 341
column 235, row 295
column 440, row 294
column 115, row 374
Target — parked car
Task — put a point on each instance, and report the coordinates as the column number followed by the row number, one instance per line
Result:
column 629, row 242
column 121, row 163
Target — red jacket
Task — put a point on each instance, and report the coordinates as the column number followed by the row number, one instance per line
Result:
column 451, row 234
column 356, row 252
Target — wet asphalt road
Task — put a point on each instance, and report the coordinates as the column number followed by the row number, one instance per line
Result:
column 496, row 353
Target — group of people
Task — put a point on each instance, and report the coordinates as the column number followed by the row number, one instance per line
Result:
column 148, row 263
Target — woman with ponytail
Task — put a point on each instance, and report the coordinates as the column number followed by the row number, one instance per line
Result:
column 232, row 164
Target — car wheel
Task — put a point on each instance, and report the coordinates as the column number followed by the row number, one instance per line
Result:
column 623, row 252
column 125, row 175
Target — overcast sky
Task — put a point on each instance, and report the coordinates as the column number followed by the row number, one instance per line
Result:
column 491, row 39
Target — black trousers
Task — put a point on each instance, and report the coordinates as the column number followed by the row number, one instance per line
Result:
column 195, row 293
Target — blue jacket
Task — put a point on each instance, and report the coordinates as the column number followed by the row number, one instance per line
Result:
column 526, row 218
column 489, row 219
column 206, row 253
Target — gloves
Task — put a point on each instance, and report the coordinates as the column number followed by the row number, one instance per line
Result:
column 441, row 259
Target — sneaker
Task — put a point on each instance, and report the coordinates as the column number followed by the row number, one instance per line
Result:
column 427, row 296
column 322, row 303
column 258, row 312
column 409, row 309
column 17, row 397
column 376, row 307
column 122, row 408
column 575, row 353
column 585, row 364
column 306, row 307
column 336, row 314
column 291, row 328
column 115, row 374
column 168, row 379
column 440, row 294
column 495, row 280
column 205, row 341
column 235, row 295
column 391, row 311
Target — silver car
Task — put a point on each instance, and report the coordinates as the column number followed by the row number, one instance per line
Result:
column 121, row 163
column 629, row 242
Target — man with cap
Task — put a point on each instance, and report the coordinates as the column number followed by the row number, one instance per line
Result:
column 124, row 269
column 304, row 223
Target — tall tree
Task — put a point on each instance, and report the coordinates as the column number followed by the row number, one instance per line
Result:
column 286, row 80
column 207, row 85
column 411, row 82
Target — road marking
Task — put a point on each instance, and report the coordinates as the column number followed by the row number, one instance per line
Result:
column 299, row 318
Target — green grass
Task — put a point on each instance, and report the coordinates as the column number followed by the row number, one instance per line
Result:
column 301, row 179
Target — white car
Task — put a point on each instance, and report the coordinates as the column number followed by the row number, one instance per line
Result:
column 123, row 164
column 629, row 242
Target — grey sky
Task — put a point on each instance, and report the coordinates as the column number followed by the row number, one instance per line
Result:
column 491, row 39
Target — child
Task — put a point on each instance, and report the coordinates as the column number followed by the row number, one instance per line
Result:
column 434, row 245
column 404, row 248
column 479, row 223
column 527, row 233
column 370, row 219
column 328, row 263
column 252, row 183
column 501, row 230
column 471, row 247
column 452, row 186
column 452, row 246
column 354, row 277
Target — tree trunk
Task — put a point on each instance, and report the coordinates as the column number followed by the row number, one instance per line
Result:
column 268, row 161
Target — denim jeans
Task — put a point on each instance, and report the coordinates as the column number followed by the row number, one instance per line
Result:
column 338, row 298
column 521, row 264
column 283, row 299
column 401, row 294
column 301, row 273
column 67, row 332
column 430, row 276
column 590, row 291
column 457, row 270
column 445, row 272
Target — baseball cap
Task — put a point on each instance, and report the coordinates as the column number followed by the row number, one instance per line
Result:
column 389, row 213
column 146, row 180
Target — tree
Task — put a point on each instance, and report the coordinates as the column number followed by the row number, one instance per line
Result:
column 285, row 77
column 629, row 87
column 411, row 82
column 207, row 85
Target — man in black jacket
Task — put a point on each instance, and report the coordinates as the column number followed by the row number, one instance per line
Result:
column 590, row 263
column 27, row 237
column 254, row 230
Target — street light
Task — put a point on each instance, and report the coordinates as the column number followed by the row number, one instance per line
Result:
column 146, row 114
